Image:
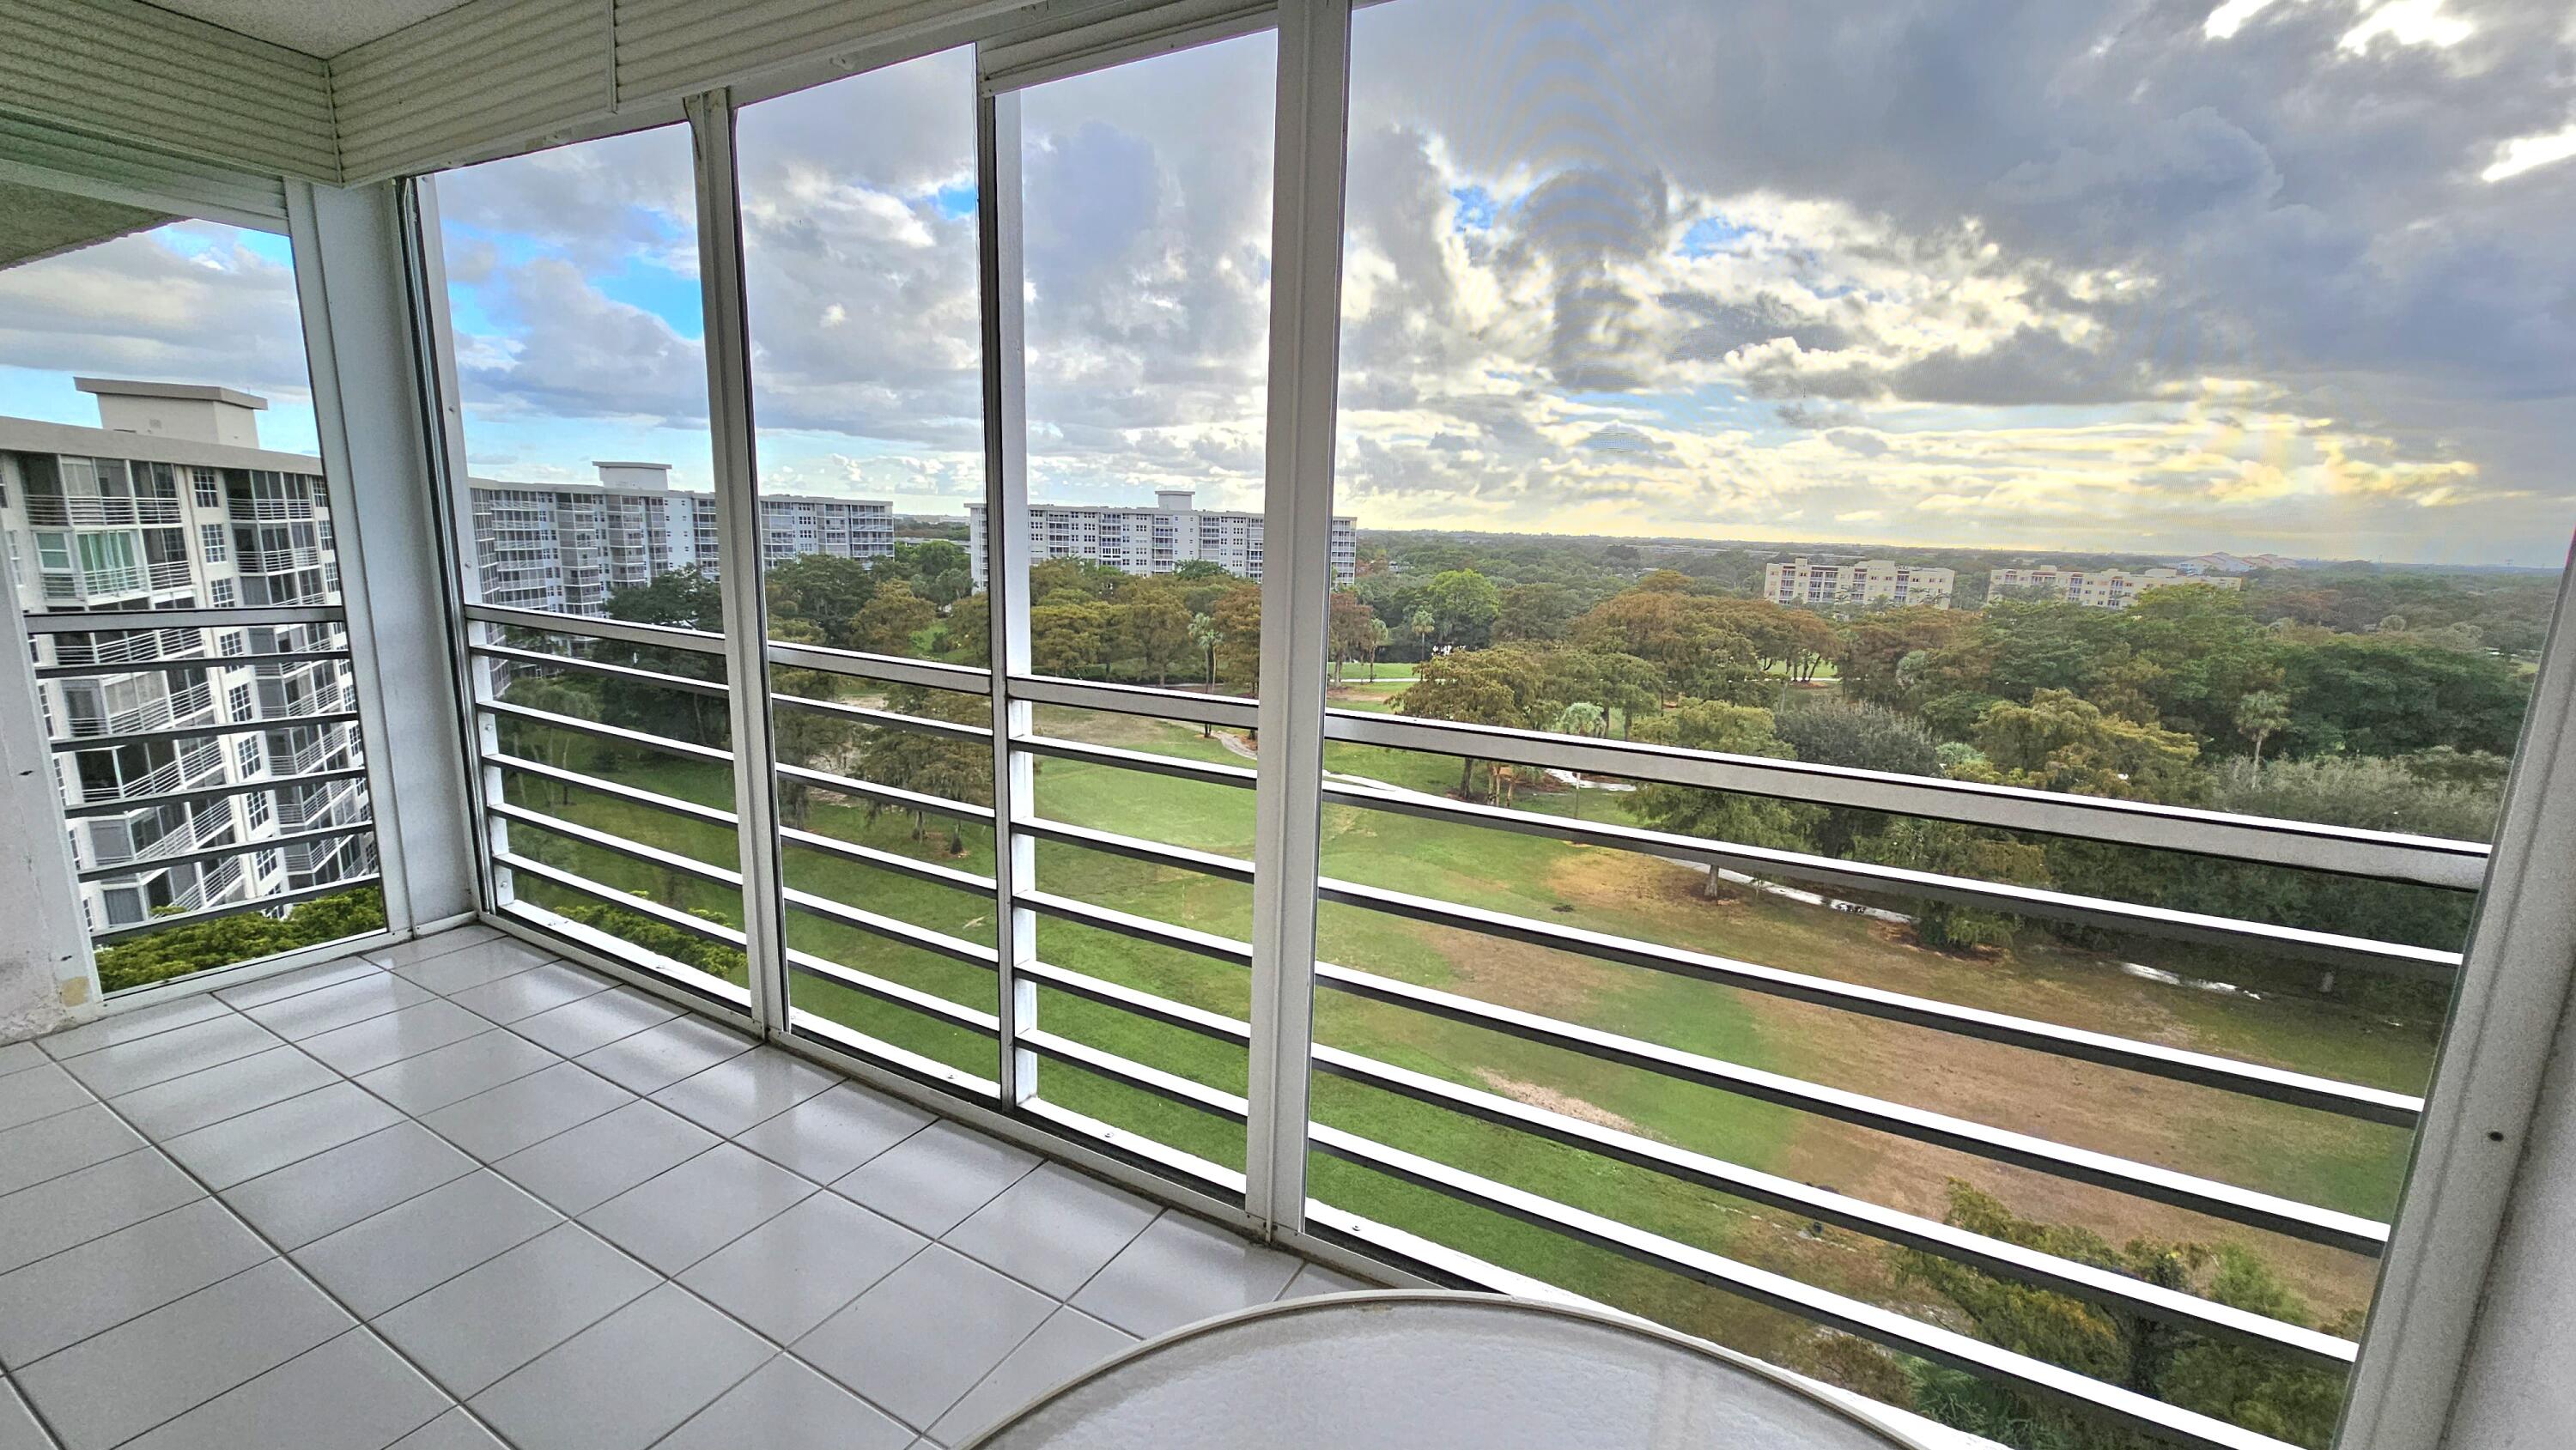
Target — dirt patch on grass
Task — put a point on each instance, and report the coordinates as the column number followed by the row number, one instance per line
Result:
column 1538, row 1095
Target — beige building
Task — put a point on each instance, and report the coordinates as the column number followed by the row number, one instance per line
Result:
column 1869, row 583
column 2098, row 588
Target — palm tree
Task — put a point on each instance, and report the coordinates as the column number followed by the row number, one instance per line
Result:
column 1379, row 638
column 1205, row 634
column 2258, row 715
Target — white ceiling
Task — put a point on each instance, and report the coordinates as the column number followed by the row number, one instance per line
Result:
column 316, row 27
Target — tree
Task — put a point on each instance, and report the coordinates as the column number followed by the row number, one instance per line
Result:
column 557, row 696
column 1154, row 629
column 1379, row 638
column 1200, row 571
column 1350, row 629
column 1238, row 637
column 1204, row 634
column 1475, row 687
column 926, row 764
column 1719, row 815
column 966, row 636
column 821, row 590
column 2390, row 695
column 1067, row 638
column 1948, row 848
column 1860, row 737
column 2227, row 1379
column 813, row 738
column 1535, row 612
column 2060, row 742
column 2259, row 715
column 686, row 598
column 1464, row 603
column 1420, row 626
column 888, row 622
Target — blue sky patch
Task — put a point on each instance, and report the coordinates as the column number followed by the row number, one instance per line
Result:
column 1475, row 208
column 955, row 200
column 1713, row 234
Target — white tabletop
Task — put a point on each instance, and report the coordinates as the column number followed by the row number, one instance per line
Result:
column 1417, row 1371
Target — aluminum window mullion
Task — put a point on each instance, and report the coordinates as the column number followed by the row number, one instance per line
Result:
column 1002, row 280
column 443, row 435
column 738, row 544
column 1310, row 145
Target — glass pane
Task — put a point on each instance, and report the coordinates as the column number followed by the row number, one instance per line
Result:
column 572, row 287
column 1811, row 410
column 1147, row 252
column 181, row 474
column 867, row 378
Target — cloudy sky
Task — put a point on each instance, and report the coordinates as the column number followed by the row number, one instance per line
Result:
column 2162, row 275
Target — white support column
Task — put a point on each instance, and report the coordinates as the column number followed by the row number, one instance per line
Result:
column 350, row 274
column 47, row 978
column 1296, row 587
column 746, row 610
column 2459, row 1264
column 1006, row 570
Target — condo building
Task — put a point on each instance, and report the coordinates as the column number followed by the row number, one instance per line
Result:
column 171, row 506
column 562, row 547
column 1869, row 583
column 1154, row 540
column 2098, row 588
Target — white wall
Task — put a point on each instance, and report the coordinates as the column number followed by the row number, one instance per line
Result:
column 45, row 977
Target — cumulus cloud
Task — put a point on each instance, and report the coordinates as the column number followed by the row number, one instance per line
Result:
column 2263, row 274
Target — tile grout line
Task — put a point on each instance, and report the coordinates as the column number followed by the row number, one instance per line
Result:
column 355, row 1319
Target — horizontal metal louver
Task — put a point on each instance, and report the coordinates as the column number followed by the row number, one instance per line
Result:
column 122, row 171
column 128, row 71
column 485, row 75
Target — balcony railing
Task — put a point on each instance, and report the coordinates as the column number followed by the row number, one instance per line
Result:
column 53, row 511
column 171, row 574
column 114, row 583
column 136, row 646
column 177, row 707
column 897, row 1015
column 270, row 510
column 279, row 561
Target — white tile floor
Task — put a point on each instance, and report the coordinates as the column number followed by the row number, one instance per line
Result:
column 456, row 1195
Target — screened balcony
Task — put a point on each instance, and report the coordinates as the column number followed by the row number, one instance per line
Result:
column 1873, row 763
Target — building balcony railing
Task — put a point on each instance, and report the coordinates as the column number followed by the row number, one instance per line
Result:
column 171, row 574
column 280, row 561
column 51, row 511
column 270, row 510
column 176, row 708
column 86, row 584
column 128, row 647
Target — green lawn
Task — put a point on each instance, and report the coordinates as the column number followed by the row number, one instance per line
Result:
column 2280, row 1150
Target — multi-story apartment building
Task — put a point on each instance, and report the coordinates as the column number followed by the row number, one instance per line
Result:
column 1154, row 540
column 562, row 547
column 173, row 505
column 2097, row 588
column 1869, row 583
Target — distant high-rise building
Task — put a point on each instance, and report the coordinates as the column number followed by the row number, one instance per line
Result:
column 1154, row 540
column 563, row 547
column 2097, row 588
column 1871, row 582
